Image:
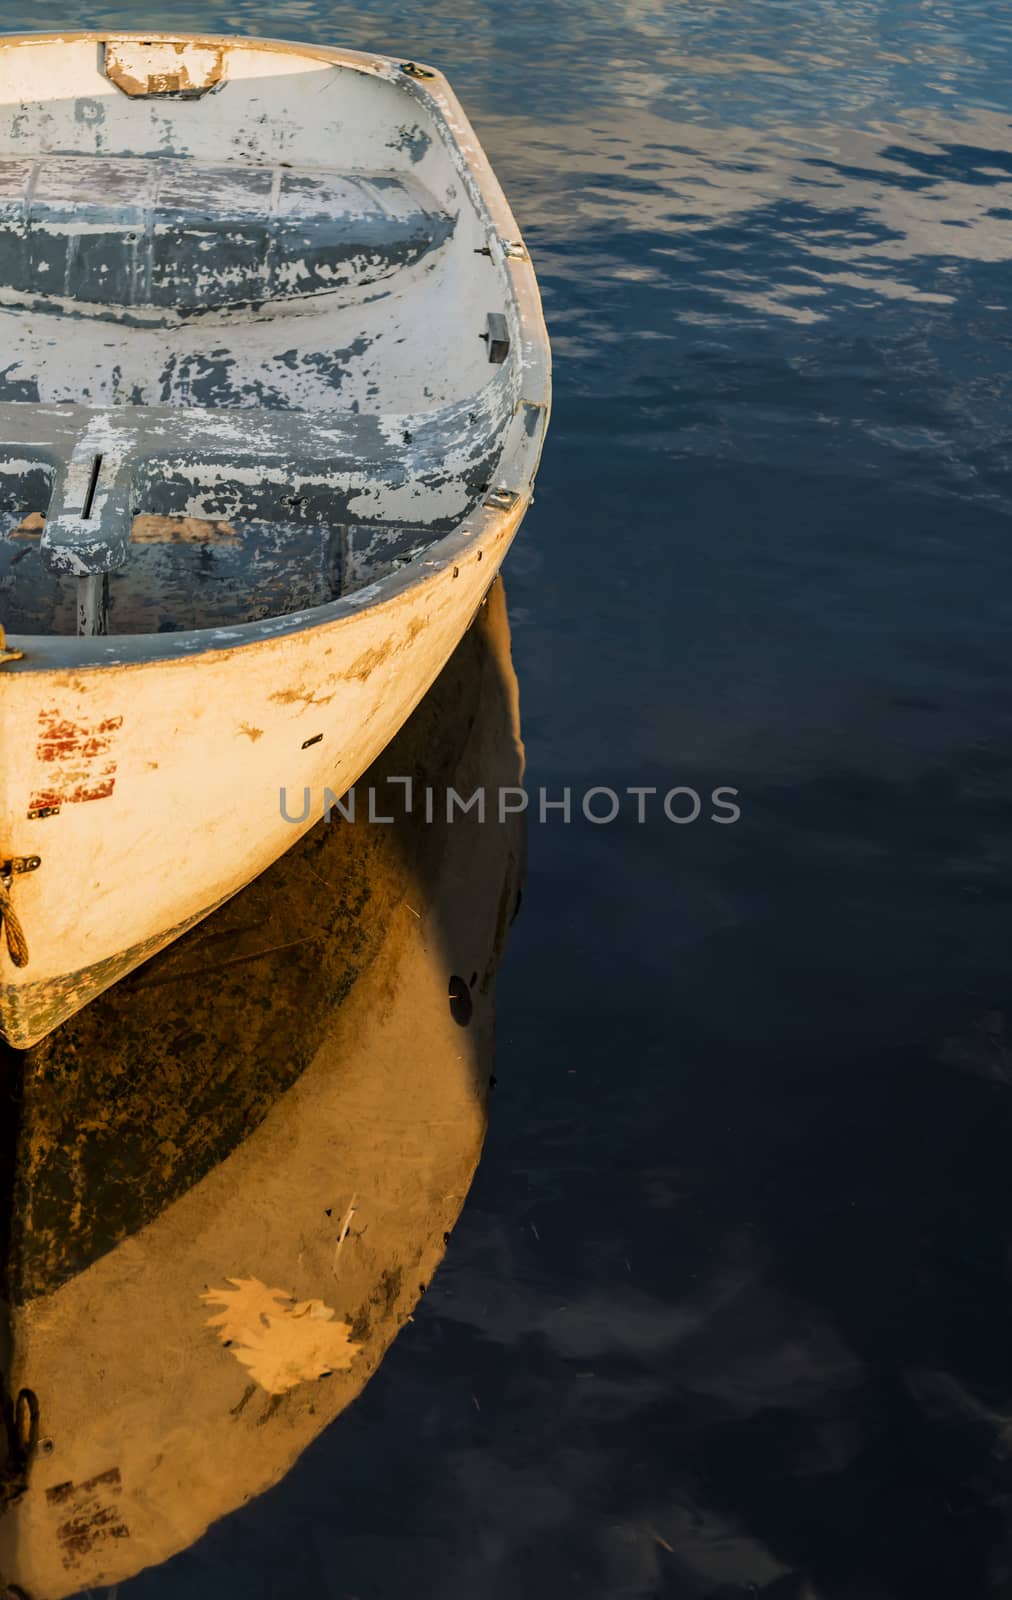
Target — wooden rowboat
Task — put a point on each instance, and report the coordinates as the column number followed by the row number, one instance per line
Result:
column 274, row 387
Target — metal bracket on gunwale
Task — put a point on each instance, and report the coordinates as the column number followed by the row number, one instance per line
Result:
column 501, row 500
column 511, row 248
column 18, row 864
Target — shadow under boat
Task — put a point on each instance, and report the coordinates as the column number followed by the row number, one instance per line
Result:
column 227, row 1182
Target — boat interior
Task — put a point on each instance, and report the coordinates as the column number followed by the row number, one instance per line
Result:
column 255, row 349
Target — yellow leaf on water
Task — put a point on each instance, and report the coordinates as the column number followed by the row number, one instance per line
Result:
column 295, row 1349
column 247, row 1305
column 281, row 1341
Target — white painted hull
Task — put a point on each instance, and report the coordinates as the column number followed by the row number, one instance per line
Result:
column 188, row 781
column 144, row 772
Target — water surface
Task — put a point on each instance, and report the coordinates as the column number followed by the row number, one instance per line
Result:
column 728, row 1312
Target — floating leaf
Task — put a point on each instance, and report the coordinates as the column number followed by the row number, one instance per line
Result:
column 247, row 1305
column 282, row 1342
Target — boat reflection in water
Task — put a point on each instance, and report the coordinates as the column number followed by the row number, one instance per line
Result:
column 228, row 1181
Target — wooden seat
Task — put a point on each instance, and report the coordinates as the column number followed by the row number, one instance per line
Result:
column 92, row 470
column 177, row 236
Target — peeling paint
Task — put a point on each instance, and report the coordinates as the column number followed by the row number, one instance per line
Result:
column 163, row 67
column 81, row 755
column 107, row 233
column 414, row 140
column 59, row 739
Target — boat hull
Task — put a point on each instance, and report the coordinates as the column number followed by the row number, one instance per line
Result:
column 152, row 791
column 142, row 769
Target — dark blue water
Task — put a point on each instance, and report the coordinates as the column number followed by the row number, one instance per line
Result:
column 732, row 1288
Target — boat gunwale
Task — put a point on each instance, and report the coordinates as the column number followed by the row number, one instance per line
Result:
column 46, row 653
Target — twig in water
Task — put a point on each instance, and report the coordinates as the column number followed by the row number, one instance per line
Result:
column 316, row 875
column 232, row 961
column 346, row 1224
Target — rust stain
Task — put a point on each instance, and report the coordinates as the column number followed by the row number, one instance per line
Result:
column 93, row 791
column 367, row 663
column 91, row 1517
column 78, row 791
column 301, row 696
column 251, row 733
column 80, row 751
column 59, row 738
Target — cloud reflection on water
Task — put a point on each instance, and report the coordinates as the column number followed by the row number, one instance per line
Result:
column 771, row 540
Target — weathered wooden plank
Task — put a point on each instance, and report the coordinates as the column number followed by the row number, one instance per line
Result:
column 188, row 236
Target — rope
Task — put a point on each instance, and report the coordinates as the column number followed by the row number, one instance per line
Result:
column 17, row 944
